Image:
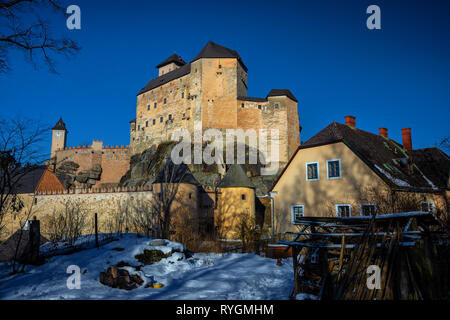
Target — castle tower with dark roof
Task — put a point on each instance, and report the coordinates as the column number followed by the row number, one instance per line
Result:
column 211, row 91
column 59, row 137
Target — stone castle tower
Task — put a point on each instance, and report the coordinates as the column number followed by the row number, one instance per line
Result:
column 211, row 90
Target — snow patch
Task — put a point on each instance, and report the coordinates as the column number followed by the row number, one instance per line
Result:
column 397, row 181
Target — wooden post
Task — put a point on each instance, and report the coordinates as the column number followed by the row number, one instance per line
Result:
column 96, row 231
column 34, row 241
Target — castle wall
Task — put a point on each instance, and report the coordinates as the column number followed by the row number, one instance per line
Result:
column 115, row 161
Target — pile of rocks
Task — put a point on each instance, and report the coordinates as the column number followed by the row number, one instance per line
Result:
column 120, row 278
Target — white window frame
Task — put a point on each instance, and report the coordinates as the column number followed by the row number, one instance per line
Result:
column 340, row 170
column 318, row 172
column 433, row 208
column 344, row 204
column 292, row 211
column 366, row 204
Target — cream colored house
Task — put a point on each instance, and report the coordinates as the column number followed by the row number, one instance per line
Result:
column 344, row 171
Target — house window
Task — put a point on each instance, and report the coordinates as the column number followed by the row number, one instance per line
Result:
column 297, row 211
column 190, row 195
column 368, row 209
column 35, row 202
column 242, row 105
column 312, row 171
column 427, row 207
column 161, row 119
column 243, row 196
column 155, row 105
column 170, row 117
column 334, row 169
column 165, row 100
column 259, row 107
column 343, row 210
column 277, row 105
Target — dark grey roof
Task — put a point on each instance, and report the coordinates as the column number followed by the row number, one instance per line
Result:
column 235, row 178
column 425, row 169
column 172, row 59
column 60, row 125
column 165, row 78
column 252, row 99
column 214, row 50
column 27, row 179
column 282, row 92
column 172, row 173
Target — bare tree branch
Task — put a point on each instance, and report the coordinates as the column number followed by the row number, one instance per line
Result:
column 33, row 37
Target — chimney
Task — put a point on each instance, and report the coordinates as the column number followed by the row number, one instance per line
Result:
column 383, row 132
column 350, row 121
column 406, row 135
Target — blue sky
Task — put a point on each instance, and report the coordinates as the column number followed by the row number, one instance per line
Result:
column 395, row 77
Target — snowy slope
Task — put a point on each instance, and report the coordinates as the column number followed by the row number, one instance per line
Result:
column 203, row 276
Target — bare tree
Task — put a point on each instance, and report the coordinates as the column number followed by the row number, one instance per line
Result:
column 23, row 28
column 20, row 155
column 168, row 183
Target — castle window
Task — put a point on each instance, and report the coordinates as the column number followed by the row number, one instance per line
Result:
column 161, row 119
column 367, row 209
column 343, row 210
column 35, row 202
column 146, row 123
column 148, row 107
column 334, row 169
column 154, row 121
column 312, row 171
column 182, row 95
column 242, row 105
column 259, row 107
column 165, row 100
column 146, row 138
column 170, row 117
column 155, row 105
column 243, row 196
column 139, row 127
column 190, row 195
column 297, row 211
column 277, row 105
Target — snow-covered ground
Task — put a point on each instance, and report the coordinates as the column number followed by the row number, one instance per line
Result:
column 202, row 276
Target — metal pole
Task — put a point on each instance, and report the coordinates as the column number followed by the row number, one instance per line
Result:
column 96, row 231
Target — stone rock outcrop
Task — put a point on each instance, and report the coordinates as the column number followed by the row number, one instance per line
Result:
column 67, row 172
column 120, row 278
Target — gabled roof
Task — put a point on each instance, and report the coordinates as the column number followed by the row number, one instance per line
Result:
column 214, row 50
column 172, row 59
column 165, row 78
column 60, row 125
column 49, row 182
column 418, row 170
column 282, row 92
column 28, row 179
column 235, row 178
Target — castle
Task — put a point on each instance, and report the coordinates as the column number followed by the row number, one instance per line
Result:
column 211, row 91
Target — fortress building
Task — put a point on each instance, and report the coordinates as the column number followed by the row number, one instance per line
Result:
column 211, row 90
